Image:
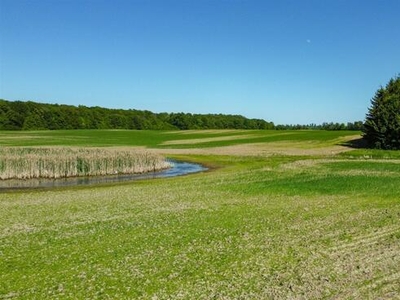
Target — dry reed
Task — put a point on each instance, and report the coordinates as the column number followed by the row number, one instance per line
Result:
column 26, row 163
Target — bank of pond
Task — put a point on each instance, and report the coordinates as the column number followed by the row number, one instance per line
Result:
column 177, row 168
column 24, row 168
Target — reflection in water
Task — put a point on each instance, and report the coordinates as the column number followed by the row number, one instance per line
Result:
column 178, row 168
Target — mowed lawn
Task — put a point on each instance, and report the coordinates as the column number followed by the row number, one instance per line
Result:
column 280, row 215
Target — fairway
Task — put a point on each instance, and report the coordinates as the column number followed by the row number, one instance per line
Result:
column 281, row 215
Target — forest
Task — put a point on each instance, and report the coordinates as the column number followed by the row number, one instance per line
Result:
column 29, row 115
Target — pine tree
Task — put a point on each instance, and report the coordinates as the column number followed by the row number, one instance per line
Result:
column 382, row 125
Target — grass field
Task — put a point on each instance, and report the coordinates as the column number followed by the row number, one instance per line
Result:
column 282, row 215
column 163, row 139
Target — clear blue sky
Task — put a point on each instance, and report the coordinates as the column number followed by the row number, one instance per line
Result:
column 284, row 61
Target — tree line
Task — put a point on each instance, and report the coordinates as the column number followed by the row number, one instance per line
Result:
column 357, row 125
column 28, row 115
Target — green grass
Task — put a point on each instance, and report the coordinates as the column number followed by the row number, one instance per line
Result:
column 155, row 139
column 93, row 138
column 265, row 227
column 372, row 153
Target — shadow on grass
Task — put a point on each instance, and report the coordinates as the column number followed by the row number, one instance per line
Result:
column 358, row 143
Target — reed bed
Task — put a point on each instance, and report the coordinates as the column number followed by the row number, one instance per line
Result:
column 62, row 162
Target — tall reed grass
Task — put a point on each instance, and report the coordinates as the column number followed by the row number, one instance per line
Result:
column 61, row 162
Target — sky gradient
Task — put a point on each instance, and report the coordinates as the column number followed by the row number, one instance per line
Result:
column 289, row 62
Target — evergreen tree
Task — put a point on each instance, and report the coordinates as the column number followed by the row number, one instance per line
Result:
column 381, row 129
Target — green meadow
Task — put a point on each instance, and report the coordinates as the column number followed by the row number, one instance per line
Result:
column 279, row 215
column 160, row 139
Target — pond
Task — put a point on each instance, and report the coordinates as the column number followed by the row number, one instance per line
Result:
column 178, row 168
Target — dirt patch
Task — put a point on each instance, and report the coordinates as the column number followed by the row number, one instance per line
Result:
column 17, row 137
column 368, row 261
column 260, row 149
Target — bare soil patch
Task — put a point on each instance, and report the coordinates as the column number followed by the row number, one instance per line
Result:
column 261, row 149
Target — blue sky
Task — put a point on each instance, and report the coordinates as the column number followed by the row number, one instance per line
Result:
column 287, row 61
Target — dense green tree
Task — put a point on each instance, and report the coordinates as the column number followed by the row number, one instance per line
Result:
column 117, row 121
column 34, row 121
column 13, row 121
column 358, row 125
column 382, row 125
column 181, row 121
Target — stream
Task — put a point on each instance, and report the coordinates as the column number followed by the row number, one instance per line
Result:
column 178, row 168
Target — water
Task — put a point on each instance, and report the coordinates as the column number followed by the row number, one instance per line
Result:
column 178, row 168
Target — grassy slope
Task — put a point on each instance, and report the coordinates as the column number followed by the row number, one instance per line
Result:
column 259, row 227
